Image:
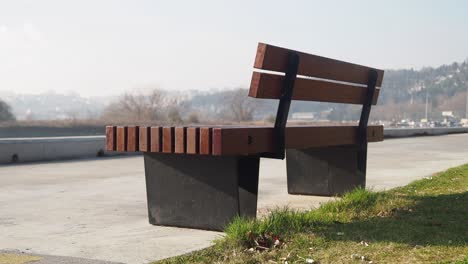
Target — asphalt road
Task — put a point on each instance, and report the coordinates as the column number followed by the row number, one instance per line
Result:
column 96, row 209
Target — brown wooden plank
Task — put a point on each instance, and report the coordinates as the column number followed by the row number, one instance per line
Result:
column 230, row 141
column 156, row 139
column 180, row 140
column 168, row 139
column 297, row 137
column 269, row 86
column 252, row 140
column 121, row 138
column 111, row 138
column 132, row 138
column 144, row 138
column 193, row 134
column 205, row 140
column 375, row 133
column 274, row 58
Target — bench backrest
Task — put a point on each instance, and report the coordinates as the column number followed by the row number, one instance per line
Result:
column 334, row 81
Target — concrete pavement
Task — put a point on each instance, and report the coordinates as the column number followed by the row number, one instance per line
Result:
column 92, row 209
column 96, row 208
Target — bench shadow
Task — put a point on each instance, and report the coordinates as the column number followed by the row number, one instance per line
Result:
column 440, row 220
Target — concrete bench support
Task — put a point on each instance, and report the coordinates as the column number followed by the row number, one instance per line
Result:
column 324, row 171
column 199, row 191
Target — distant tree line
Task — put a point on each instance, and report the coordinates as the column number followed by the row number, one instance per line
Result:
column 403, row 96
column 158, row 107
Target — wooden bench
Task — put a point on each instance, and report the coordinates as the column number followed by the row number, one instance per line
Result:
column 202, row 177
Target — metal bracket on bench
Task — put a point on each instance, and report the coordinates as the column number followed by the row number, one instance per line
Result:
column 362, row 129
column 279, row 133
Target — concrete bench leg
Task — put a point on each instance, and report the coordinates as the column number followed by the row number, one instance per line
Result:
column 199, row 191
column 324, row 171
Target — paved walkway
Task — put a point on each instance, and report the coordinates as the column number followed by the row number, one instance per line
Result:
column 96, row 209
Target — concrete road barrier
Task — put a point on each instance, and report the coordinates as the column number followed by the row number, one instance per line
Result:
column 13, row 150
column 51, row 131
column 414, row 132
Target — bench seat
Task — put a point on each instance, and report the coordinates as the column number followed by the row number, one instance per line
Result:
column 204, row 176
column 229, row 140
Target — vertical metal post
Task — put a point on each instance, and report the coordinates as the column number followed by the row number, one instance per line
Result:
column 283, row 108
column 362, row 129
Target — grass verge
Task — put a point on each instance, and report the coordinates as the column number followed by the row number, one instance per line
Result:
column 423, row 222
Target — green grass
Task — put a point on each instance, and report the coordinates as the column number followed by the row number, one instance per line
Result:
column 423, row 222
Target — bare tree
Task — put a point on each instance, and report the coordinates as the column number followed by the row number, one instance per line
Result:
column 173, row 116
column 193, row 118
column 239, row 107
column 5, row 112
column 137, row 107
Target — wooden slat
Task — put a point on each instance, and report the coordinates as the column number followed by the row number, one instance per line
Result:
column 205, row 140
column 251, row 140
column 121, row 138
column 193, row 134
column 144, row 138
column 132, row 138
column 297, row 137
column 156, row 139
column 111, row 138
column 168, row 139
column 222, row 145
column 274, row 58
column 180, row 140
column 269, row 86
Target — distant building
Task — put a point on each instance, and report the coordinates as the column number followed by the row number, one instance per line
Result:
column 447, row 113
column 303, row 116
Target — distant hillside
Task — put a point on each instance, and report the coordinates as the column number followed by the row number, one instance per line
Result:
column 403, row 96
column 404, row 92
column 406, row 85
column 53, row 106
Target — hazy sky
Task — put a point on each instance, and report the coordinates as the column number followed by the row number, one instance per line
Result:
column 106, row 47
